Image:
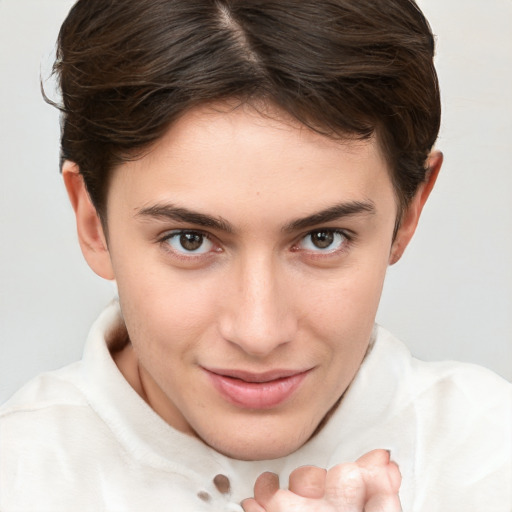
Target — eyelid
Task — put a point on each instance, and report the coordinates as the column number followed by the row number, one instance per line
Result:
column 343, row 231
column 168, row 235
column 348, row 235
column 178, row 231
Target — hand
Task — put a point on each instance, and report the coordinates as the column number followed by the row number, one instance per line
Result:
column 371, row 484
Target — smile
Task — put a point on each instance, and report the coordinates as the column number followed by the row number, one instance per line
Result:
column 256, row 391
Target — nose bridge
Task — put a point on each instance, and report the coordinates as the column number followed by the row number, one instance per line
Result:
column 260, row 317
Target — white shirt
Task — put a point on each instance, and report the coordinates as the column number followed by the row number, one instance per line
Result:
column 81, row 439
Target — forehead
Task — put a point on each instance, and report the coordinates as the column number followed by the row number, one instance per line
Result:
column 229, row 158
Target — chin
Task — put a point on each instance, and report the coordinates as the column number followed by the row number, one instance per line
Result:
column 255, row 452
column 257, row 441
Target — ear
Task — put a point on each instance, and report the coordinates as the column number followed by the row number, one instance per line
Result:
column 412, row 215
column 91, row 236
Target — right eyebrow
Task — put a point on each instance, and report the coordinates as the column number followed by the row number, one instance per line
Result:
column 172, row 212
column 332, row 213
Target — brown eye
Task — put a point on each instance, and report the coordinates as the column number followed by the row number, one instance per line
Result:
column 322, row 239
column 191, row 241
column 186, row 242
column 325, row 240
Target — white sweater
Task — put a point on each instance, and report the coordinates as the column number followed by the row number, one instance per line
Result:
column 81, row 439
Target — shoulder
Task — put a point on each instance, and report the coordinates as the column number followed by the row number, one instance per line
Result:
column 445, row 397
column 444, row 380
column 57, row 388
column 455, row 421
column 41, row 410
column 32, row 427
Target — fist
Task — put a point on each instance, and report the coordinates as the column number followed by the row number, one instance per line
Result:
column 370, row 484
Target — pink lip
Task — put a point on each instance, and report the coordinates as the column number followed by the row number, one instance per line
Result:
column 256, row 391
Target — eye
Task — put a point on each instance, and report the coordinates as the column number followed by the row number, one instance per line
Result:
column 323, row 240
column 189, row 242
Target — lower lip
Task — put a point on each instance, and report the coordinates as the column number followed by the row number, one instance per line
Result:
column 257, row 395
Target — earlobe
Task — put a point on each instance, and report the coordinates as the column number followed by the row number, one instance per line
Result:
column 91, row 236
column 411, row 216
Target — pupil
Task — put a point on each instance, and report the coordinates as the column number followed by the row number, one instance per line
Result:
column 191, row 241
column 322, row 239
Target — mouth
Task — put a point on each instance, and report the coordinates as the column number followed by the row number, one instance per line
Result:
column 256, row 390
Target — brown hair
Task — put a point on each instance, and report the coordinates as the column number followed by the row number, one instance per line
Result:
column 345, row 68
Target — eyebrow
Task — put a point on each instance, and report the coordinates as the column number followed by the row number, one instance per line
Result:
column 180, row 214
column 332, row 213
column 169, row 211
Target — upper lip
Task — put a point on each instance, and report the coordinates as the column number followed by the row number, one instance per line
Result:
column 257, row 377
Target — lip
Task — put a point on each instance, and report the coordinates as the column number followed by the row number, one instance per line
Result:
column 256, row 390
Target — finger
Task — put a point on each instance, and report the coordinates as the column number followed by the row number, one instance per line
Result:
column 267, row 484
column 251, row 505
column 308, row 482
column 382, row 487
column 394, row 475
column 383, row 503
column 382, row 480
column 345, row 488
column 380, row 474
column 374, row 458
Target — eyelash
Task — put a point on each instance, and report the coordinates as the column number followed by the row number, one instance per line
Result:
column 164, row 241
column 348, row 238
column 344, row 243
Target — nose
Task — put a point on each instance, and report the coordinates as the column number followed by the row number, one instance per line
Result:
column 259, row 318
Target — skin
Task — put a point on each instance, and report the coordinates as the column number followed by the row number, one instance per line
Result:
column 260, row 297
column 370, row 484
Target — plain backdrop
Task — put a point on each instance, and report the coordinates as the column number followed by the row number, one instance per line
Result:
column 449, row 298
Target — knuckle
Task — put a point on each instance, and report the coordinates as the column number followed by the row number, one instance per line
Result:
column 345, row 484
column 303, row 471
column 395, row 477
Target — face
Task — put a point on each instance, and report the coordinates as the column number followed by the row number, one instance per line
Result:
column 250, row 255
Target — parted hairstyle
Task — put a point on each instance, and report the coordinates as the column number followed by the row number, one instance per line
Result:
column 348, row 69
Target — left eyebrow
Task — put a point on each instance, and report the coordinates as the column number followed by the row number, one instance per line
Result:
column 332, row 213
column 179, row 214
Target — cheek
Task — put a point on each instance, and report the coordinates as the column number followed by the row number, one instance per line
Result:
column 164, row 310
column 350, row 297
column 342, row 314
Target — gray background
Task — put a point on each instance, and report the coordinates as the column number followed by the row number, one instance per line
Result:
column 449, row 298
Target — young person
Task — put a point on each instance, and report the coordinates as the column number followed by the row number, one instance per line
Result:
column 246, row 171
